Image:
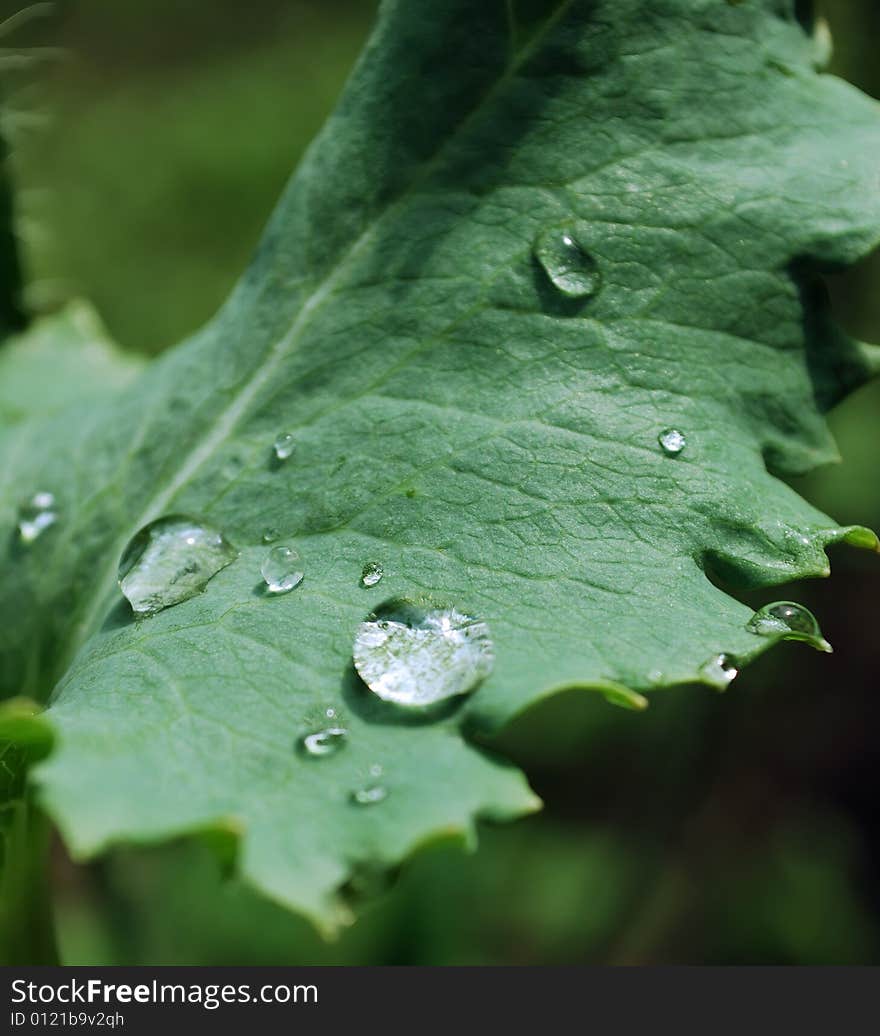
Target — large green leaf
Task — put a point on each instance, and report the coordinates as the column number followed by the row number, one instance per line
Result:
column 490, row 440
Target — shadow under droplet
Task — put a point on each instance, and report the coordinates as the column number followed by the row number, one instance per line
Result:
column 120, row 616
column 554, row 302
column 360, row 700
column 17, row 547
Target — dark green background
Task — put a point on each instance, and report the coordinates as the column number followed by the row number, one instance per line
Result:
column 730, row 829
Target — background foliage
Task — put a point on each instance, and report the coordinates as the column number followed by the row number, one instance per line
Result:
column 754, row 841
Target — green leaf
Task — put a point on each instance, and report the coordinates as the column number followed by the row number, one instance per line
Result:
column 59, row 360
column 491, row 440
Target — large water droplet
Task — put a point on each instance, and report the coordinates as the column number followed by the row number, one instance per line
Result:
column 789, row 620
column 372, row 573
column 35, row 516
column 282, row 569
column 417, row 655
column 284, row 445
column 325, row 742
column 369, row 795
column 719, row 671
column 171, row 560
column 571, row 269
column 672, row 441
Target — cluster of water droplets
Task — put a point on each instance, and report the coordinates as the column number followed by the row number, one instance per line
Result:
column 574, row 273
column 781, row 620
column 411, row 654
column 329, row 741
column 369, row 795
column 372, row 791
column 36, row 515
column 174, row 557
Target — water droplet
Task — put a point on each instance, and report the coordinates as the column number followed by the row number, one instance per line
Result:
column 672, row 441
column 284, row 445
column 330, row 712
column 281, row 569
column 719, row 671
column 572, row 269
column 171, row 560
column 325, row 742
column 372, row 573
column 43, row 501
column 789, row 620
column 417, row 655
column 369, row 795
column 35, row 516
column 270, row 535
column 376, row 770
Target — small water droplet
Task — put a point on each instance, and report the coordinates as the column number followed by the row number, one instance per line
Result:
column 672, row 441
column 719, row 671
column 794, row 539
column 281, row 569
column 571, row 269
column 369, row 795
column 372, row 573
column 35, row 516
column 284, row 445
column 325, row 742
column 789, row 620
column 171, row 560
column 270, row 535
column 416, row 655
column 330, row 712
column 376, row 770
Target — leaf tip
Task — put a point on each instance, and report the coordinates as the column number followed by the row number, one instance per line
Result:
column 621, row 696
column 859, row 536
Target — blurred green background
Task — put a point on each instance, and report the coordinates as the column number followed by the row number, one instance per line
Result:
column 150, row 141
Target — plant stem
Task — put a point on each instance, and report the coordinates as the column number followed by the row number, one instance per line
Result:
column 27, row 933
